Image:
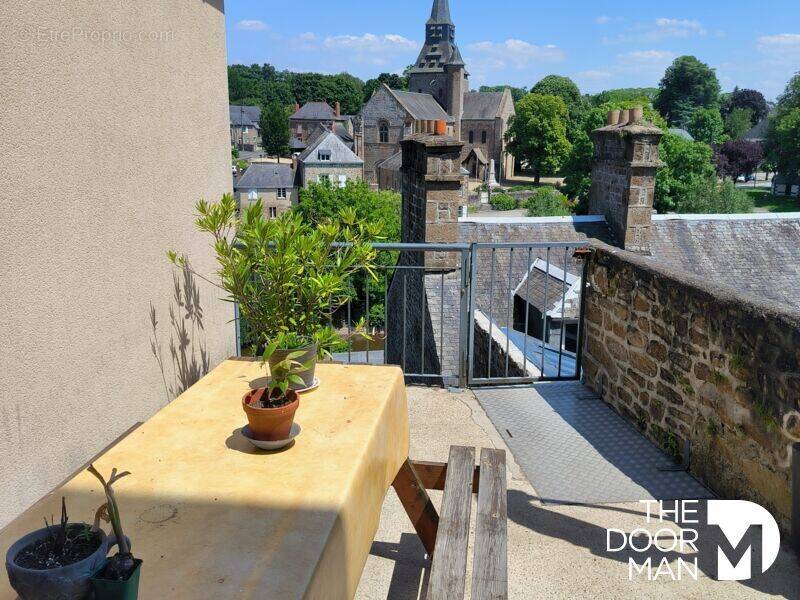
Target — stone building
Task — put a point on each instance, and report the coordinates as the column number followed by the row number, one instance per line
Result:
column 438, row 86
column 273, row 184
column 327, row 158
column 245, row 128
column 306, row 119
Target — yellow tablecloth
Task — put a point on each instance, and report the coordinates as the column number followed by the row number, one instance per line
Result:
column 214, row 518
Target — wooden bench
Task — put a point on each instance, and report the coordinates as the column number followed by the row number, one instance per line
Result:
column 446, row 538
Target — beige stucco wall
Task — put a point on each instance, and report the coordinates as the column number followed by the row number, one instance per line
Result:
column 114, row 135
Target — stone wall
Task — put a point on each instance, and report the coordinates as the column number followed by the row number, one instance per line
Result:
column 711, row 376
column 382, row 107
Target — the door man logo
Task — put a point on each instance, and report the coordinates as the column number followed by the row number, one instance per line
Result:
column 729, row 540
column 736, row 518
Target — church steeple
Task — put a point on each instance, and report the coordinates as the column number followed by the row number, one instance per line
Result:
column 440, row 14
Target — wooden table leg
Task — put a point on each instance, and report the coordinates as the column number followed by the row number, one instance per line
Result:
column 418, row 505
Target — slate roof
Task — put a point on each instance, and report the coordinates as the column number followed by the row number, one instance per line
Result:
column 758, row 254
column 681, row 133
column 244, row 115
column 327, row 140
column 758, row 132
column 422, row 107
column 544, row 287
column 482, row 105
column 261, row 176
column 440, row 13
column 393, row 163
column 314, row 111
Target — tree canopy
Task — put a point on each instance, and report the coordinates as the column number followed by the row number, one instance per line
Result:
column 687, row 164
column 264, row 85
column 783, row 135
column 274, row 125
column 739, row 157
column 639, row 95
column 687, row 85
column 565, row 88
column 538, row 134
column 738, row 122
column 706, row 126
column 748, row 99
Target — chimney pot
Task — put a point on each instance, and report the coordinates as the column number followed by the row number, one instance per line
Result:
column 441, row 127
column 338, row 109
column 613, row 117
column 296, row 106
column 624, row 117
column 637, row 114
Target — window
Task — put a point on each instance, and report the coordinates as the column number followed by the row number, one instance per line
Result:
column 325, row 178
column 383, row 132
column 483, row 137
column 273, row 212
column 324, row 155
column 342, row 181
column 282, row 193
column 471, row 137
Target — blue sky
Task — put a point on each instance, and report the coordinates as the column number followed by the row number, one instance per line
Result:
column 600, row 44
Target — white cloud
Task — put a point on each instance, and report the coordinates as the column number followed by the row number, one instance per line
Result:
column 513, row 53
column 369, row 42
column 602, row 20
column 661, row 29
column 252, row 25
column 308, row 36
column 594, row 75
column 782, row 45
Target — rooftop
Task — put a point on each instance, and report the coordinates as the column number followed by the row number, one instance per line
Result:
column 267, row 176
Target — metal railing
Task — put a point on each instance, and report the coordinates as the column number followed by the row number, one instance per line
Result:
column 452, row 313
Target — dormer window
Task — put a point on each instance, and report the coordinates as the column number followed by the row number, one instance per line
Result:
column 324, row 155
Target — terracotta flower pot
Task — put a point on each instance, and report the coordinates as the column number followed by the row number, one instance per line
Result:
column 270, row 424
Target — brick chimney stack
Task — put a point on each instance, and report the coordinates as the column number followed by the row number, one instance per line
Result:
column 432, row 183
column 624, row 175
column 338, row 109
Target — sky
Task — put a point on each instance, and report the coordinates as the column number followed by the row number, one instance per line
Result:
column 599, row 44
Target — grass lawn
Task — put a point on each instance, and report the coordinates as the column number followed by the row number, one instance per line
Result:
column 766, row 202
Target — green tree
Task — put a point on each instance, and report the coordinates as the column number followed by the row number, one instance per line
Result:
column 537, row 135
column 394, row 81
column 738, row 122
column 687, row 164
column 565, row 88
column 516, row 93
column 548, row 202
column 709, row 196
column 706, row 126
column 687, row 85
column 642, row 96
column 783, row 143
column 752, row 99
column 274, row 125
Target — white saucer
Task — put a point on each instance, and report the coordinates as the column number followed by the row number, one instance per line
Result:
column 271, row 445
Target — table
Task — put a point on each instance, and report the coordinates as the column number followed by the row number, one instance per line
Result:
column 212, row 517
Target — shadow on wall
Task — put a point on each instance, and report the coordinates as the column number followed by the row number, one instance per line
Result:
column 218, row 4
column 187, row 344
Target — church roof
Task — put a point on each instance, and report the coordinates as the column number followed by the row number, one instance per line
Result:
column 422, row 107
column 440, row 13
column 482, row 105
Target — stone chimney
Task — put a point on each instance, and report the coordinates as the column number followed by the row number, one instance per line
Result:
column 296, row 106
column 432, row 183
column 624, row 176
column 338, row 109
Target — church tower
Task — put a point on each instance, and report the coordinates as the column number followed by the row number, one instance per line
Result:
column 440, row 71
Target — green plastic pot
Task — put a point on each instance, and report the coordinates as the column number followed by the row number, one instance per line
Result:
column 106, row 589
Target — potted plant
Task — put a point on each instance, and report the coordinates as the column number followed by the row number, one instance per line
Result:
column 288, row 278
column 117, row 578
column 57, row 562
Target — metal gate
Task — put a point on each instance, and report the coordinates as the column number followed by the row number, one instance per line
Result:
column 526, row 308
